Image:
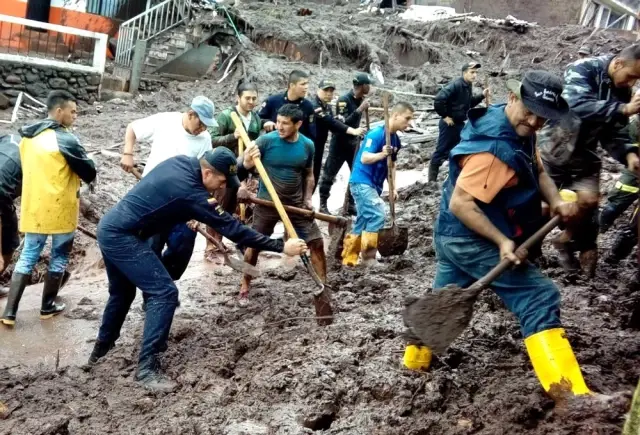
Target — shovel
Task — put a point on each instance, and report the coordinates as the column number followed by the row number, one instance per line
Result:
column 232, row 262
column 439, row 317
column 393, row 240
column 338, row 221
column 322, row 297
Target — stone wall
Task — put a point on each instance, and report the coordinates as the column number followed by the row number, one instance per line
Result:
column 38, row 81
column 544, row 12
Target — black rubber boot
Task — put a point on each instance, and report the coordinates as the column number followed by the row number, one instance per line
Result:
column 323, row 205
column 622, row 246
column 150, row 377
column 52, row 284
column 18, row 284
column 99, row 350
column 432, row 179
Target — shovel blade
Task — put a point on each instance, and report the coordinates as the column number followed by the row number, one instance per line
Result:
column 324, row 311
column 440, row 316
column 393, row 241
column 241, row 266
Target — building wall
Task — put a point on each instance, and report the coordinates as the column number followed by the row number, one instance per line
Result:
column 544, row 12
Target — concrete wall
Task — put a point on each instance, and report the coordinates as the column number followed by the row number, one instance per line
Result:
column 544, row 12
column 39, row 81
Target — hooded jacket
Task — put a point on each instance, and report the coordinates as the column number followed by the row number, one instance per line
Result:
column 10, row 170
column 53, row 163
column 515, row 211
column 596, row 106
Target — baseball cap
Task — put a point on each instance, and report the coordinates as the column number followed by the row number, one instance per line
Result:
column 541, row 93
column 326, row 84
column 362, row 79
column 204, row 109
column 585, row 49
column 225, row 162
column 469, row 65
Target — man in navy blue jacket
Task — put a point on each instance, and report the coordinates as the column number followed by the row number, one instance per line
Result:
column 177, row 191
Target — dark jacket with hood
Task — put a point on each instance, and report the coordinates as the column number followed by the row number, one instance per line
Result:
column 515, row 210
column 596, row 105
column 10, row 170
column 455, row 100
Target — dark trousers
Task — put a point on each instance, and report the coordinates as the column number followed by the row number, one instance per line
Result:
column 339, row 153
column 623, row 194
column 131, row 263
column 317, row 163
column 448, row 138
column 179, row 241
column 626, row 239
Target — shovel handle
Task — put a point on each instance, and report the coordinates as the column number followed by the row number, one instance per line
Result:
column 505, row 264
column 243, row 207
column 136, row 173
column 338, row 220
column 387, row 139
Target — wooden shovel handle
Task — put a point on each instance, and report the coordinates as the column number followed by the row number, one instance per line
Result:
column 387, row 139
column 265, row 179
column 137, row 173
column 338, row 220
column 538, row 236
column 243, row 207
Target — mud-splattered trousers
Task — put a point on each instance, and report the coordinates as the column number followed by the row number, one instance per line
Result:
column 621, row 196
column 370, row 209
column 61, row 245
column 527, row 292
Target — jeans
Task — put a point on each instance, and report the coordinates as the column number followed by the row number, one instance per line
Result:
column 370, row 208
column 61, row 245
column 527, row 293
column 180, row 241
column 130, row 262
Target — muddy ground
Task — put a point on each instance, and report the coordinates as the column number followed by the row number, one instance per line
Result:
column 266, row 368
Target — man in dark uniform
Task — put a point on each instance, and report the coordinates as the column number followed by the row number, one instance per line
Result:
column 10, row 190
column 295, row 94
column 350, row 108
column 452, row 103
column 178, row 191
column 325, row 122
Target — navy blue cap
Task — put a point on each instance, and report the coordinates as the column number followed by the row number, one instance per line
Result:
column 225, row 162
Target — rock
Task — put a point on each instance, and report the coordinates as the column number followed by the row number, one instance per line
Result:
column 91, row 100
column 37, row 90
column 64, row 74
column 108, row 95
column 4, row 101
column 91, row 88
column 13, row 100
column 72, row 80
column 11, row 92
column 58, row 83
column 82, row 82
column 13, row 79
column 49, row 73
column 93, row 80
column 184, row 86
column 31, row 77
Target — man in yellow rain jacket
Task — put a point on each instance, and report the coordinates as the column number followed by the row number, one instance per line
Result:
column 53, row 163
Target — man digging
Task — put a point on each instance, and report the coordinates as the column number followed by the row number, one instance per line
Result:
column 491, row 202
column 287, row 157
column 178, row 191
column 366, row 183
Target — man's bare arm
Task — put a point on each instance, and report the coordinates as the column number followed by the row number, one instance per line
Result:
column 308, row 185
column 464, row 207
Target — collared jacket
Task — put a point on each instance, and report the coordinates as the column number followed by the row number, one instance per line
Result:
column 348, row 113
column 222, row 134
column 173, row 193
column 597, row 117
column 326, row 122
column 455, row 100
column 269, row 112
column 10, row 170
column 515, row 211
column 53, row 163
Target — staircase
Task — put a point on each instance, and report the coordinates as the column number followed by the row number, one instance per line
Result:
column 162, row 27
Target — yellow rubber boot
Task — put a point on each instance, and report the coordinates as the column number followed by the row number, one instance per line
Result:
column 554, row 362
column 417, row 357
column 351, row 249
column 369, row 248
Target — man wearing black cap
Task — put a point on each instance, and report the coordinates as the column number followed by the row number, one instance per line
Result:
column 599, row 93
column 325, row 122
column 491, row 203
column 295, row 94
column 350, row 108
column 177, row 191
column 452, row 103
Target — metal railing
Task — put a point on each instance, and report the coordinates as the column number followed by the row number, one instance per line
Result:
column 158, row 19
column 118, row 9
column 37, row 43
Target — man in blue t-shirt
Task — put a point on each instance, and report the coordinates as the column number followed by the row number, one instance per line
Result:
column 287, row 156
column 366, row 182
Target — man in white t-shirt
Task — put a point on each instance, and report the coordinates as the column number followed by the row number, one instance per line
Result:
column 172, row 134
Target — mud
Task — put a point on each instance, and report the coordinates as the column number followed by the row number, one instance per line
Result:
column 265, row 367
